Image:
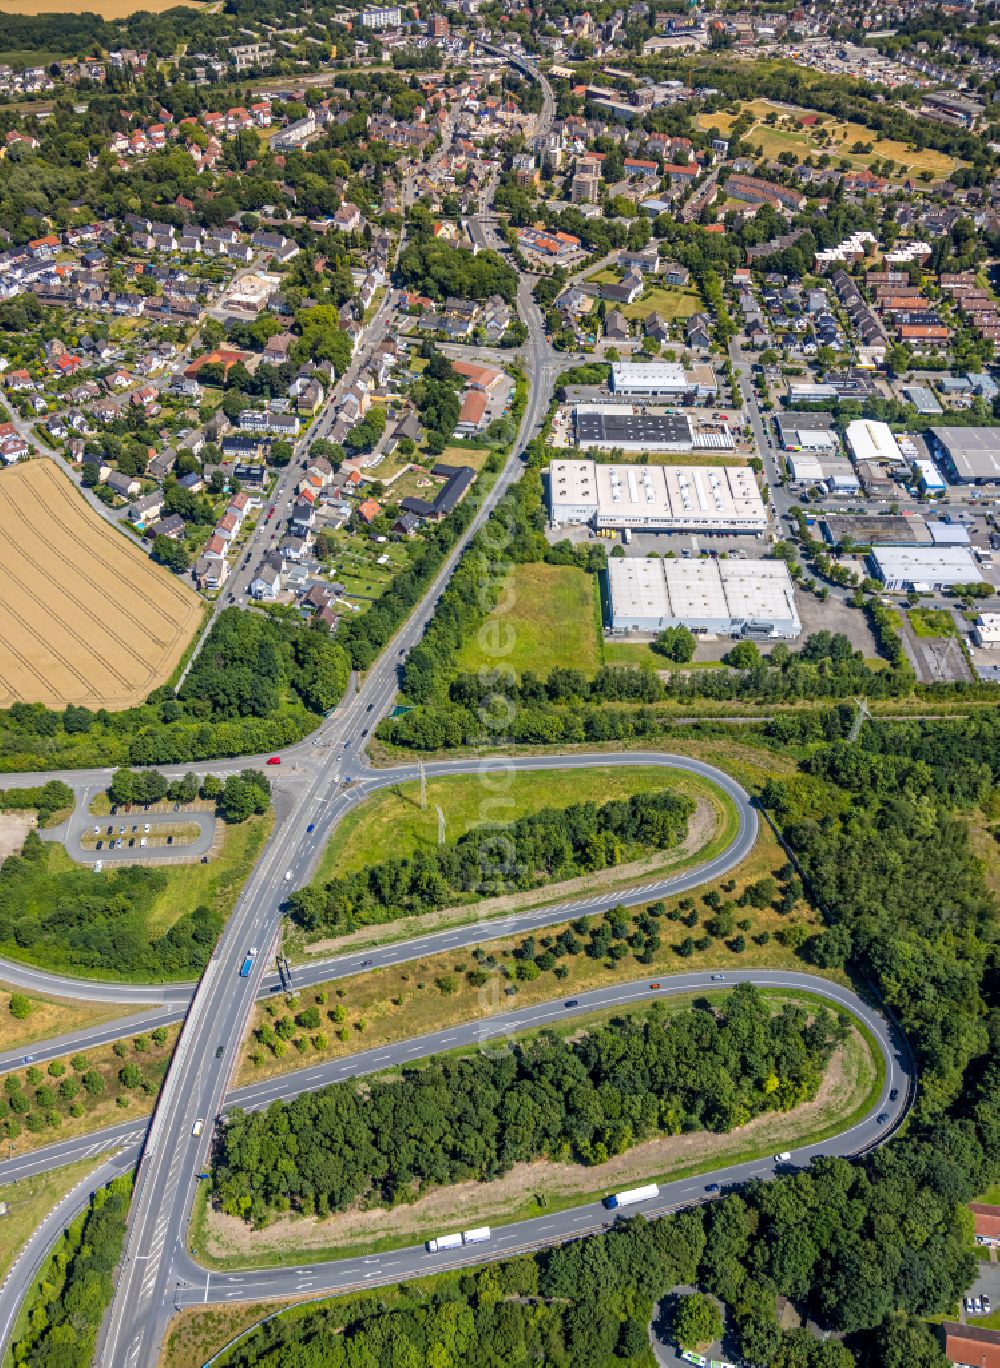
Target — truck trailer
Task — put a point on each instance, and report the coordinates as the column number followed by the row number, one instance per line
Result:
column 631, row 1196
column 479, row 1235
column 444, row 1242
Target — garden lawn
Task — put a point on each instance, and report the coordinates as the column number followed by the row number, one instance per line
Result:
column 547, row 614
column 669, row 302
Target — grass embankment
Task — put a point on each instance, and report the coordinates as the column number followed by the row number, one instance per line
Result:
column 51, row 1016
column 198, row 1332
column 393, row 823
column 216, row 884
column 30, row 1200
column 851, row 1086
column 434, row 992
column 63, row 1098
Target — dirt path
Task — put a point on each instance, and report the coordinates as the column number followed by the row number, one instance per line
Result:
column 702, row 826
column 472, row 1202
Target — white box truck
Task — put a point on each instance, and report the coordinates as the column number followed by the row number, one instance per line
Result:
column 478, row 1236
column 445, row 1242
column 631, row 1196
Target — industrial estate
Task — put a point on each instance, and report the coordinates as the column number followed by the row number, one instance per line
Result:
column 500, row 686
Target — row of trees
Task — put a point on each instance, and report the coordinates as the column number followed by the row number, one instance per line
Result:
column 237, row 797
column 45, row 799
column 550, row 844
column 68, row 1303
column 579, row 1101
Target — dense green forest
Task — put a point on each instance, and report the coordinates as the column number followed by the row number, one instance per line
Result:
column 542, row 846
column 68, row 1302
column 257, row 683
column 580, row 1101
column 73, row 919
column 439, row 270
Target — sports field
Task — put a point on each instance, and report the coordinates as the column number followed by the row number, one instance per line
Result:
column 85, row 617
column 789, row 134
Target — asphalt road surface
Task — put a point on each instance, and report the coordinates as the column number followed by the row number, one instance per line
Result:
column 190, row 1284
column 476, row 932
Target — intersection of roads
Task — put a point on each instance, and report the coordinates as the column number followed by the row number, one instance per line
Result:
column 321, row 780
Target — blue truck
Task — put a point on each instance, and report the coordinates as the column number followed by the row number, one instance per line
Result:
column 246, row 966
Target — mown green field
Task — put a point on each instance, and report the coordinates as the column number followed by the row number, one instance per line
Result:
column 546, row 618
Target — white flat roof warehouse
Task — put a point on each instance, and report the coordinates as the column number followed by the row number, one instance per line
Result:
column 654, row 377
column 900, row 567
column 656, row 497
column 721, row 596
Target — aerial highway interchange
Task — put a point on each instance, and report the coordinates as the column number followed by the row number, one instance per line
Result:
column 321, row 780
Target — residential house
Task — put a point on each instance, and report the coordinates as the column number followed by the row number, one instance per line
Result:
column 171, row 526
column 126, row 486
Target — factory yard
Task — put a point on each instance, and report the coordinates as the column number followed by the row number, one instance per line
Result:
column 115, row 624
column 789, row 134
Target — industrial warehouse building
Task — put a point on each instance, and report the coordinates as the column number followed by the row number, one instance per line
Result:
column 656, row 498
column 619, row 426
column 971, row 455
column 830, row 470
column 902, row 568
column 871, row 441
column 665, row 380
column 725, row 597
column 807, row 432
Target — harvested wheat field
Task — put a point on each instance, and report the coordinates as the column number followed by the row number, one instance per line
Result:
column 85, row 616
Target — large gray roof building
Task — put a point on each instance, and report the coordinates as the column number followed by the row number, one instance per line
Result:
column 971, row 455
column 725, row 597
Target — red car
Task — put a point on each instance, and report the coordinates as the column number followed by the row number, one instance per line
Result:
column 274, row 760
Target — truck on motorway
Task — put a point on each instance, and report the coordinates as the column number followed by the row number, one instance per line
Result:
column 444, row 1242
column 478, row 1235
column 246, row 966
column 631, row 1196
